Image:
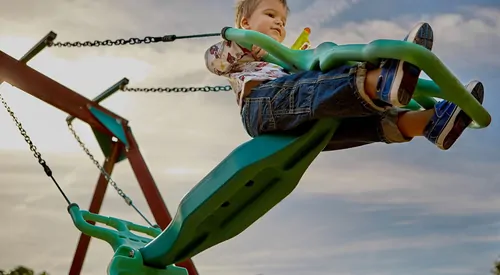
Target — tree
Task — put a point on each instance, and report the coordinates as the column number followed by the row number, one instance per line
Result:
column 495, row 270
column 21, row 270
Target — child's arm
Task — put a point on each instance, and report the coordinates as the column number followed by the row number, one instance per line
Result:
column 222, row 57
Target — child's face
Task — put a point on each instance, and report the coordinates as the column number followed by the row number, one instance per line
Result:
column 269, row 18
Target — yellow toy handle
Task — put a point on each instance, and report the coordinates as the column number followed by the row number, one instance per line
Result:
column 302, row 42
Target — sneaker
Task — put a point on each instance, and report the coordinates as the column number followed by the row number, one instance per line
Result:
column 449, row 121
column 398, row 79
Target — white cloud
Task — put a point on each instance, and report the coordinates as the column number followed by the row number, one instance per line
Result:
column 319, row 12
column 390, row 181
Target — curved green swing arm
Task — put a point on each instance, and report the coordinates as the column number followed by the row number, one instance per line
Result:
column 329, row 55
column 260, row 173
column 126, row 260
column 122, row 235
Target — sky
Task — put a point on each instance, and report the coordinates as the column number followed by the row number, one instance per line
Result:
column 379, row 209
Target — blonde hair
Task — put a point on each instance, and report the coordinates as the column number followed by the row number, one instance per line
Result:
column 245, row 8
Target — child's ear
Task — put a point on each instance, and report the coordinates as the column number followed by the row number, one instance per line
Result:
column 244, row 23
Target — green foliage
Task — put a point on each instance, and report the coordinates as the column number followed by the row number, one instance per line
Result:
column 21, row 270
column 496, row 268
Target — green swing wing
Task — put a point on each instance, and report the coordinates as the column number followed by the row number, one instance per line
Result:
column 260, row 173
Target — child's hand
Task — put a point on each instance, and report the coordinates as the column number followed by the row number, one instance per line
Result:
column 258, row 52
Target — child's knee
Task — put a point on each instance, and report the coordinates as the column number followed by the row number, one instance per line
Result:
column 257, row 117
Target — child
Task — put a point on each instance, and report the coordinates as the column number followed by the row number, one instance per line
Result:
column 366, row 99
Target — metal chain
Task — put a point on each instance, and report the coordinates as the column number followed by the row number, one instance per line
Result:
column 109, row 42
column 32, row 146
column 146, row 40
column 130, row 41
column 19, row 125
column 180, row 89
column 120, row 192
column 48, row 171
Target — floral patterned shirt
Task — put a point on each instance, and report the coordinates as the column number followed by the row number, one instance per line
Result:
column 228, row 59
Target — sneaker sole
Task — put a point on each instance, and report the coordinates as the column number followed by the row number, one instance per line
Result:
column 460, row 120
column 407, row 74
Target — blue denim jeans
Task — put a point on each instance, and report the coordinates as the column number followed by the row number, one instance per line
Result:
column 293, row 102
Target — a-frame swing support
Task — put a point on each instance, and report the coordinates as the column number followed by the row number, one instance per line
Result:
column 18, row 74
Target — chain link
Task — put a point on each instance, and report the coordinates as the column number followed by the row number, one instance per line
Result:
column 109, row 42
column 120, row 192
column 106, row 175
column 23, row 132
column 130, row 41
column 180, row 89
column 32, row 146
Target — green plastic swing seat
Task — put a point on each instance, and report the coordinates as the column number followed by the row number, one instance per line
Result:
column 260, row 173
column 242, row 188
